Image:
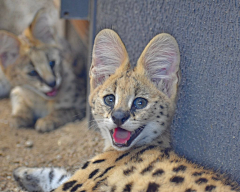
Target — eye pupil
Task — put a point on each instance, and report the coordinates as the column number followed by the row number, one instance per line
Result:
column 52, row 64
column 109, row 100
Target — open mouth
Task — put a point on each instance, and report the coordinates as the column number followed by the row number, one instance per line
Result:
column 124, row 138
column 52, row 93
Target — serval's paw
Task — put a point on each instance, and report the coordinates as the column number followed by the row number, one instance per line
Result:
column 45, row 125
column 26, row 180
column 40, row 179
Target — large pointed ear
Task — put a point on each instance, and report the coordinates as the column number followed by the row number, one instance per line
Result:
column 42, row 27
column 160, row 63
column 109, row 54
column 9, row 48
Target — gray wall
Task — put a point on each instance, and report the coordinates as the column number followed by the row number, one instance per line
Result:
column 206, row 127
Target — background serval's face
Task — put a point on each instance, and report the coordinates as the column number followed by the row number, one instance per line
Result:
column 39, row 70
column 33, row 60
column 132, row 107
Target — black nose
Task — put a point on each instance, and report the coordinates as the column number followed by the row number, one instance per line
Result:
column 119, row 117
column 52, row 84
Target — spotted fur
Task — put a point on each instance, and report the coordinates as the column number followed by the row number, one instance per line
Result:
column 147, row 164
column 46, row 92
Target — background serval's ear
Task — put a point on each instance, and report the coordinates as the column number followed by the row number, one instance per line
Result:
column 109, row 54
column 9, row 48
column 160, row 62
column 42, row 28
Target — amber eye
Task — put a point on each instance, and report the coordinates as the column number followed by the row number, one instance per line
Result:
column 139, row 103
column 109, row 100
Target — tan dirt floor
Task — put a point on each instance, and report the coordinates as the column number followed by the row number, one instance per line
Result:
column 68, row 147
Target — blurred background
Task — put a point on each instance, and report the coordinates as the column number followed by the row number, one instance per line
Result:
column 73, row 143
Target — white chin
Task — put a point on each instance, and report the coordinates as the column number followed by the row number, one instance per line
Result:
column 121, row 148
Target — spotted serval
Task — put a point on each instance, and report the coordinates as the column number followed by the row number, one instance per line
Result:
column 133, row 108
column 39, row 66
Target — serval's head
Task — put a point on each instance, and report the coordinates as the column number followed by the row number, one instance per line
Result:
column 133, row 106
column 33, row 60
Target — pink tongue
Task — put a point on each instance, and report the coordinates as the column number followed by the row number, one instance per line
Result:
column 121, row 136
column 52, row 93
